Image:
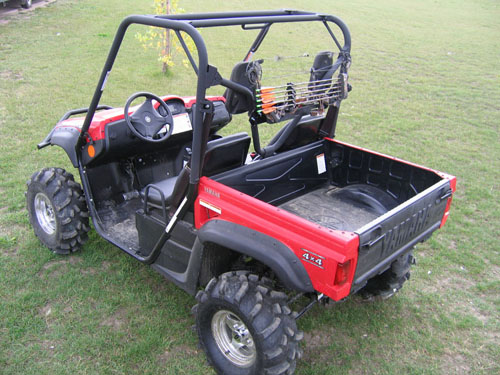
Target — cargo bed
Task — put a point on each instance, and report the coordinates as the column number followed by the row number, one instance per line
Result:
column 390, row 204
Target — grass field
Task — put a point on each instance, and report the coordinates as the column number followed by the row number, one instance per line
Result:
column 426, row 88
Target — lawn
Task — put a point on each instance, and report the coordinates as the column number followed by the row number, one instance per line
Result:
column 426, row 88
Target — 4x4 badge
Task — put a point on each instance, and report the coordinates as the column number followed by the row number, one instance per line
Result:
column 315, row 259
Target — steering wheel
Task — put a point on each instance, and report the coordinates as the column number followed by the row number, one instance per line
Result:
column 146, row 122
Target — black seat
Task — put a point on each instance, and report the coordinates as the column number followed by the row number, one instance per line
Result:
column 222, row 154
column 166, row 187
column 235, row 101
column 226, row 153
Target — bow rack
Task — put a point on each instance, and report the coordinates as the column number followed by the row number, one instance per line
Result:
column 327, row 85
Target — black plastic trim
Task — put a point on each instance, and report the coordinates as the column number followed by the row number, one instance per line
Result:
column 187, row 280
column 273, row 253
column 66, row 138
column 360, row 280
column 80, row 111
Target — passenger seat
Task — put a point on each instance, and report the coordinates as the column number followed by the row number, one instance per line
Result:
column 222, row 154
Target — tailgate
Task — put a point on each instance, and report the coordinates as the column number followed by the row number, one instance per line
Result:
column 391, row 235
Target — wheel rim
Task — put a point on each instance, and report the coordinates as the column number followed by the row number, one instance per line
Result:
column 233, row 338
column 45, row 213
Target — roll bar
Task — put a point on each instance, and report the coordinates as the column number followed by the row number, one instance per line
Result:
column 207, row 75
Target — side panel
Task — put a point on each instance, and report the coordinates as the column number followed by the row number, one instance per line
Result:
column 304, row 239
column 349, row 165
column 280, row 178
column 442, row 175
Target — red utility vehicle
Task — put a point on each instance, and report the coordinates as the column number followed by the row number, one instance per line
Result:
column 248, row 234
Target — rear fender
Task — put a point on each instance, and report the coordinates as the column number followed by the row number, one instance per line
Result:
column 267, row 250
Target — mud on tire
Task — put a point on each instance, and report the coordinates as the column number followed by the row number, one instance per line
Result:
column 245, row 327
column 390, row 281
column 57, row 210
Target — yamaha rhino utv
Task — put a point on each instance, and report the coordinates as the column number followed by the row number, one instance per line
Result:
column 246, row 233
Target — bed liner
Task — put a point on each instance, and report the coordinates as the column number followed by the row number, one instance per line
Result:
column 348, row 208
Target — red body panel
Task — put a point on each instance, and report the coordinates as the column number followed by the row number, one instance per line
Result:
column 102, row 118
column 224, row 203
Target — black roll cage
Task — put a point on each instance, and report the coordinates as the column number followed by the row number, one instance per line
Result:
column 207, row 77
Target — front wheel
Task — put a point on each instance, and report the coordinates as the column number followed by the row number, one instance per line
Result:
column 245, row 328
column 26, row 4
column 57, row 210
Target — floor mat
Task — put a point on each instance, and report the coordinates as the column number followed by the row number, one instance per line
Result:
column 119, row 222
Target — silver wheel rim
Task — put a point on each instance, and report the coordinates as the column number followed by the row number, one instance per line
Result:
column 233, row 338
column 45, row 213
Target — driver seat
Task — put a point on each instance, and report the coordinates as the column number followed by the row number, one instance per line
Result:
column 222, row 154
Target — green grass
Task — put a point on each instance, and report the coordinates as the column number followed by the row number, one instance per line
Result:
column 426, row 88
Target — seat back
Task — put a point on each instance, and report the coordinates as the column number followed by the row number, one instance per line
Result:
column 226, row 153
column 235, row 101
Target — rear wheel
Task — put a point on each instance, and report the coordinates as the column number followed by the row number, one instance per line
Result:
column 57, row 210
column 390, row 281
column 26, row 4
column 245, row 328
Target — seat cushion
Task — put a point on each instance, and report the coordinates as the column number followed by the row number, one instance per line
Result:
column 167, row 188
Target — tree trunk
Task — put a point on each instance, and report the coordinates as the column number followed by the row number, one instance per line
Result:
column 166, row 38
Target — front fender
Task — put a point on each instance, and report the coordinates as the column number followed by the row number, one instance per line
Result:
column 64, row 137
column 271, row 252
